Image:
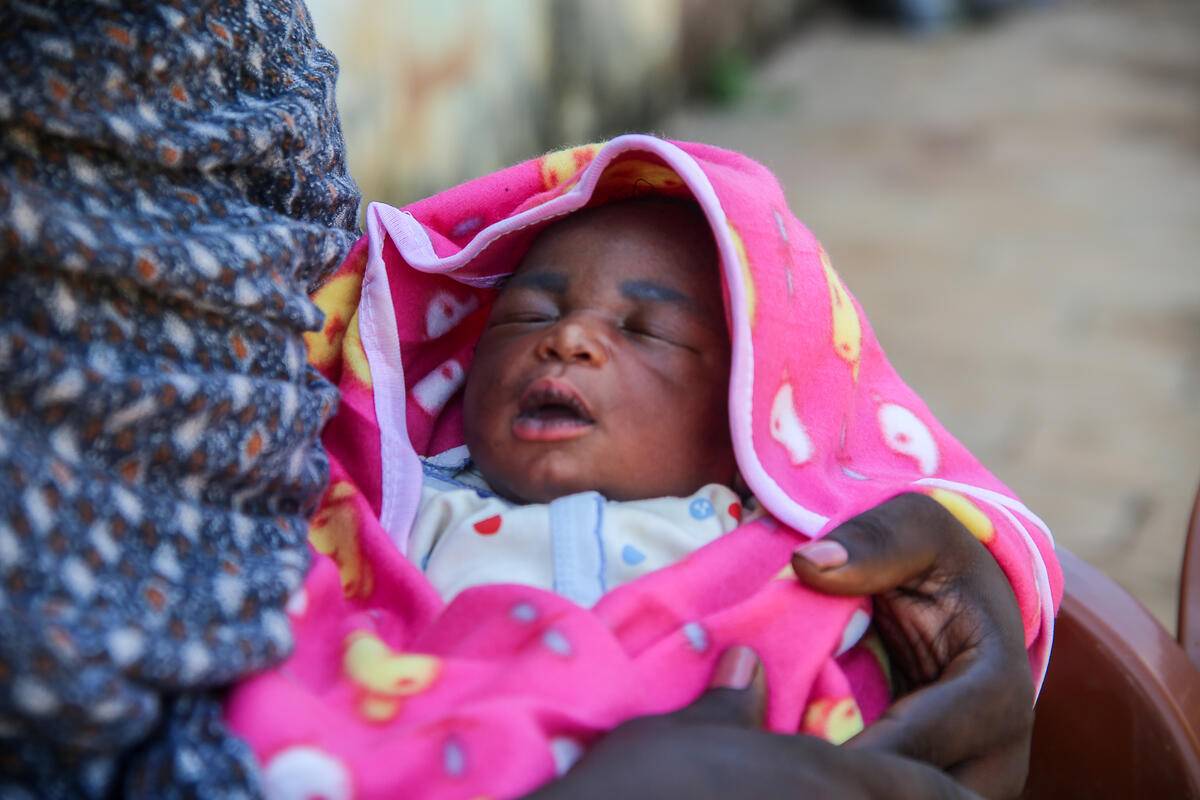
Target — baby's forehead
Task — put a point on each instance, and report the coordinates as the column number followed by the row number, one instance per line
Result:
column 658, row 224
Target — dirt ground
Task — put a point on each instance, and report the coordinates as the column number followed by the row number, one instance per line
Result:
column 1018, row 209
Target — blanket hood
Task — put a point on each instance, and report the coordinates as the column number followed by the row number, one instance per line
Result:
column 822, row 426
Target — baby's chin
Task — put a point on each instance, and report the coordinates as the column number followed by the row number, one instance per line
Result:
column 534, row 486
column 544, row 486
column 558, row 472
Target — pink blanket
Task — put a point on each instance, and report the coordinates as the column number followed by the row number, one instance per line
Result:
column 392, row 693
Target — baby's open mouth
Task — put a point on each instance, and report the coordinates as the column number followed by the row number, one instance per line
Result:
column 551, row 410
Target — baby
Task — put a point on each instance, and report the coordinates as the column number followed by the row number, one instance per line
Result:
column 595, row 413
column 591, row 404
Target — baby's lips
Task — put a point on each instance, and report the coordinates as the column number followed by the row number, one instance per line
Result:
column 554, row 391
column 533, row 429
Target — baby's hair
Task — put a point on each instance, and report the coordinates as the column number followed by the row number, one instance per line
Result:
column 648, row 198
column 687, row 203
column 658, row 200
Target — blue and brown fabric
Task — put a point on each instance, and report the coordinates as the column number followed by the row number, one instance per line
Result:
column 172, row 185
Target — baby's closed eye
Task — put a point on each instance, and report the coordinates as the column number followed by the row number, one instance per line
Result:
column 656, row 331
column 524, row 318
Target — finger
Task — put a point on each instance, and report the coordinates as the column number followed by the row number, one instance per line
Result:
column 898, row 778
column 879, row 775
column 1002, row 773
column 883, row 548
column 736, row 695
column 929, row 725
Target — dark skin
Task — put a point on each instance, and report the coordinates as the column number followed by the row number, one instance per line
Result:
column 953, row 631
column 620, row 307
column 613, row 312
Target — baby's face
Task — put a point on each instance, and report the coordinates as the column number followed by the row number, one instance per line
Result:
column 605, row 362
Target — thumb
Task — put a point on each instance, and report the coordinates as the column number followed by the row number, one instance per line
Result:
column 736, row 695
column 888, row 546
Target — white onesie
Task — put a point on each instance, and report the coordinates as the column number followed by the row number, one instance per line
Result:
column 579, row 546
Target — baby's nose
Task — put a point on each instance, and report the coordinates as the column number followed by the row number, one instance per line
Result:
column 574, row 341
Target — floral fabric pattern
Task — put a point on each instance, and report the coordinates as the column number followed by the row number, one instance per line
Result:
column 172, row 186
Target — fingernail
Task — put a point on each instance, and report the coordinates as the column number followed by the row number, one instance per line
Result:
column 823, row 554
column 735, row 669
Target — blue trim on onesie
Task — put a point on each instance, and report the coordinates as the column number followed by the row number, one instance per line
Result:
column 598, row 535
column 578, row 559
column 449, row 478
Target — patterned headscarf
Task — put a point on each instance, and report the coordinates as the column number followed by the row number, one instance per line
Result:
column 172, row 184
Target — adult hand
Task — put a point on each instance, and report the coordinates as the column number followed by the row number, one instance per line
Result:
column 951, row 626
column 716, row 748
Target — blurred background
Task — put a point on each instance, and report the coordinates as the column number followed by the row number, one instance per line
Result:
column 1013, row 193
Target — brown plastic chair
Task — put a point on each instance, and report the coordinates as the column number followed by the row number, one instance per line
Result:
column 1189, row 589
column 1119, row 714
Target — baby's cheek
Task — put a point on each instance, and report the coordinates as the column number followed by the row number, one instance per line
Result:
column 679, row 449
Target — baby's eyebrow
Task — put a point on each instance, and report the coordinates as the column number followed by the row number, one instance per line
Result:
column 649, row 290
column 553, row 282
